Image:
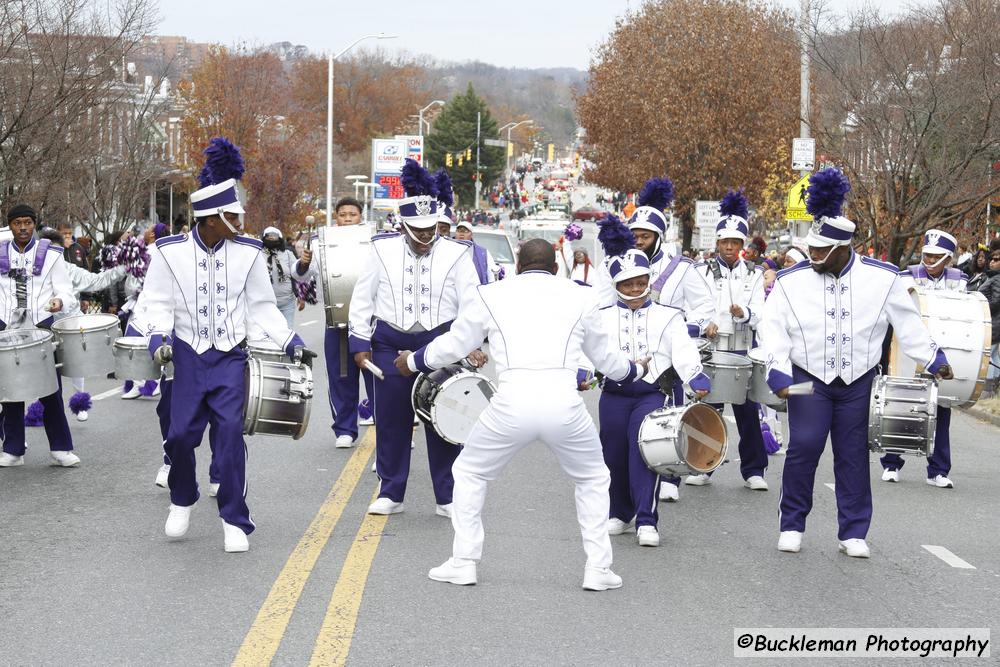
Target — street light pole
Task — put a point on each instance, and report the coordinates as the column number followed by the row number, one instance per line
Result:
column 329, row 120
column 510, row 127
column 420, row 118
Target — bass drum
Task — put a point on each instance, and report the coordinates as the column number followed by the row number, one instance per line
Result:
column 27, row 365
column 689, row 440
column 342, row 251
column 450, row 400
column 902, row 415
column 960, row 323
column 278, row 398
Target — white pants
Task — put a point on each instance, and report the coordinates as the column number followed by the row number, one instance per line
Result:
column 529, row 406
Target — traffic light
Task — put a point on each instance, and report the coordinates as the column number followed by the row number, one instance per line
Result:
column 468, row 153
column 459, row 159
column 447, row 159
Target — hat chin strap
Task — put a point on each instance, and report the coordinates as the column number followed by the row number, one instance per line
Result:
column 222, row 215
column 625, row 297
column 823, row 261
column 410, row 233
column 938, row 263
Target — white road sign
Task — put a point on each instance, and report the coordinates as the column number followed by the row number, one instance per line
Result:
column 803, row 154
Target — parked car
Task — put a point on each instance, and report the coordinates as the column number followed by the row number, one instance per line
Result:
column 499, row 245
column 589, row 212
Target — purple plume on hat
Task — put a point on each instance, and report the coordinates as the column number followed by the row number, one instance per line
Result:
column 446, row 193
column 657, row 193
column 573, row 232
column 734, row 203
column 222, row 162
column 615, row 236
column 416, row 180
column 827, row 190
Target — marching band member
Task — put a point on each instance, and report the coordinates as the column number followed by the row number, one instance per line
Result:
column 34, row 286
column 407, row 294
column 133, row 254
column 824, row 323
column 200, row 290
column 343, row 385
column 537, row 327
column 643, row 328
column 934, row 272
column 738, row 291
column 486, row 267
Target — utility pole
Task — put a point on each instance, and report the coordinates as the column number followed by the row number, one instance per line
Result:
column 479, row 180
column 804, row 130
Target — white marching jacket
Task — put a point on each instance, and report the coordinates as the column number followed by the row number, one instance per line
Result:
column 834, row 326
column 83, row 280
column 684, row 288
column 204, row 296
column 406, row 290
column 741, row 285
column 654, row 330
column 534, row 321
column 52, row 282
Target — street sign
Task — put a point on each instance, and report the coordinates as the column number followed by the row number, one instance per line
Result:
column 803, row 154
column 706, row 217
column 388, row 156
column 795, row 205
column 414, row 146
column 497, row 143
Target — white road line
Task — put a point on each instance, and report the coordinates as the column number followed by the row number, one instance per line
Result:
column 948, row 557
column 305, row 324
column 108, row 394
column 830, row 486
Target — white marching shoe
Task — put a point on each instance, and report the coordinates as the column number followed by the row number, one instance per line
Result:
column 344, row 441
column 855, row 548
column 790, row 541
column 385, row 506
column 213, row 489
column 698, row 480
column 890, row 475
column 162, row 476
column 443, row 510
column 600, row 579
column 362, row 421
column 131, row 393
column 64, row 459
column 178, row 521
column 82, row 416
column 618, row 527
column 647, row 536
column 10, row 461
column 941, row 482
column 756, row 483
column 669, row 493
column 236, row 541
column 458, row 571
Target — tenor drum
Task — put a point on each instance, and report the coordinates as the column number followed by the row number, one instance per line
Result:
column 902, row 415
column 27, row 365
column 278, row 398
column 959, row 322
column 730, row 374
column 86, row 345
column 759, row 391
column 266, row 350
column 687, row 440
column 342, row 253
column 450, row 399
column 133, row 361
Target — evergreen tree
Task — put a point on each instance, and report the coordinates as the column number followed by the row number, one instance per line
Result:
column 455, row 132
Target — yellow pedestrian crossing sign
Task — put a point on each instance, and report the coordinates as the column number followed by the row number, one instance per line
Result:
column 795, row 206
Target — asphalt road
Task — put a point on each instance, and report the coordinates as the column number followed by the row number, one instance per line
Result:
column 88, row 578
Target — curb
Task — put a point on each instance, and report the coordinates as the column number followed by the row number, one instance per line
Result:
column 982, row 415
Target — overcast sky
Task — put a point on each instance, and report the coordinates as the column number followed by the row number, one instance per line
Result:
column 524, row 33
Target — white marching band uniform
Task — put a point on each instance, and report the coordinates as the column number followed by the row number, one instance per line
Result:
column 741, row 285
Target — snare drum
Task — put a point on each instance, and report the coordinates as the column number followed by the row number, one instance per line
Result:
column 133, row 361
column 730, row 374
column 760, row 392
column 902, row 415
column 27, row 365
column 266, row 350
column 86, row 345
column 450, row 399
column 278, row 398
column 959, row 322
column 688, row 440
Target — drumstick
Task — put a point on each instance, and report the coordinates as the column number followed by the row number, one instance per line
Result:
column 801, row 389
column 374, row 370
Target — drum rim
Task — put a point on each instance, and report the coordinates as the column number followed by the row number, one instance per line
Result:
column 440, row 386
column 730, row 364
column 683, row 410
column 131, row 343
column 63, row 327
column 44, row 338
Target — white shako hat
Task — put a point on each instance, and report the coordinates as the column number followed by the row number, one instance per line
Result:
column 632, row 264
column 939, row 242
column 734, row 211
column 218, row 193
column 419, row 209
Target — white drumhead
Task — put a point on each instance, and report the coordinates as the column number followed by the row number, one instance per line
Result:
column 458, row 405
column 132, row 342
column 77, row 323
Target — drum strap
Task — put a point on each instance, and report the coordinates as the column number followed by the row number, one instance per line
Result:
column 4, row 257
column 343, row 334
column 40, row 252
column 662, row 279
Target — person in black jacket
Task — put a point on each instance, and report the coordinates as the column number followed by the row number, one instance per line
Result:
column 990, row 288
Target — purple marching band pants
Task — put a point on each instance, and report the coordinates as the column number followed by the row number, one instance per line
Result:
column 394, row 418
column 840, row 411
column 212, row 385
column 344, row 390
column 634, row 490
column 163, row 414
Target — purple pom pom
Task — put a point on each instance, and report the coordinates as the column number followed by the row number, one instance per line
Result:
column 305, row 291
column 33, row 415
column 827, row 190
column 734, row 203
column 771, row 444
column 416, row 180
column 573, row 232
column 446, row 193
column 658, row 193
column 80, row 401
column 109, row 257
column 615, row 236
column 222, row 161
column 365, row 409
